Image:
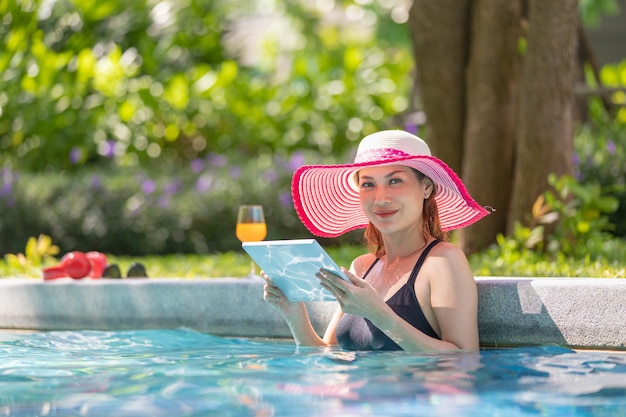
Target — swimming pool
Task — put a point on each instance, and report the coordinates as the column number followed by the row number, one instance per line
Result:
column 188, row 373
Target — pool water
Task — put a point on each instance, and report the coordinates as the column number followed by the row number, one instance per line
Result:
column 187, row 373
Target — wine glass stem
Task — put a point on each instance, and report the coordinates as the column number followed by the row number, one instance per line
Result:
column 252, row 269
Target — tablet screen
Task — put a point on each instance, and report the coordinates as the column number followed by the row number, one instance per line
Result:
column 292, row 265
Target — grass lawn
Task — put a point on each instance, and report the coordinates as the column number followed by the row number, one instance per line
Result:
column 228, row 264
column 237, row 264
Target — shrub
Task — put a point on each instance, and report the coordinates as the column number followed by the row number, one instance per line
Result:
column 132, row 83
column 568, row 236
column 601, row 144
column 166, row 209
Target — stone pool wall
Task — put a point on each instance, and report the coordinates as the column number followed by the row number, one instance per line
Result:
column 575, row 312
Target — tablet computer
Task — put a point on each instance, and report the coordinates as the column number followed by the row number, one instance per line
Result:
column 292, row 265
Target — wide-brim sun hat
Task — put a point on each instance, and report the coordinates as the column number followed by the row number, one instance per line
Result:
column 326, row 197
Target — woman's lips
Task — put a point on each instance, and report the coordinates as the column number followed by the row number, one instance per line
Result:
column 386, row 213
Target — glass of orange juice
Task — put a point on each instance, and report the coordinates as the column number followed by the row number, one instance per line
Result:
column 251, row 226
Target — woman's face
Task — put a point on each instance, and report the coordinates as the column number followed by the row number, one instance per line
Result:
column 392, row 197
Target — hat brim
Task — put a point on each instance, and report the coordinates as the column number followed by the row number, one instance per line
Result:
column 328, row 204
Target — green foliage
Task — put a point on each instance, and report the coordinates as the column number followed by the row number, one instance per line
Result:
column 138, row 127
column 118, row 83
column 509, row 258
column 568, row 236
column 591, row 11
column 38, row 252
column 581, row 214
column 600, row 144
column 565, row 221
column 85, row 79
column 159, row 211
column 107, row 107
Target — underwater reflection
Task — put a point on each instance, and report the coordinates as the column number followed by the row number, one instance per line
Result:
column 358, row 376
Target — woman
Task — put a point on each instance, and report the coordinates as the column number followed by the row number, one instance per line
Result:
column 413, row 291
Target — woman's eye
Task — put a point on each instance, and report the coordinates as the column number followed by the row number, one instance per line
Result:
column 367, row 184
column 395, row 181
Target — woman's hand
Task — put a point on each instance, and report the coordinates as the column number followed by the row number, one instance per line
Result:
column 294, row 313
column 355, row 297
column 275, row 297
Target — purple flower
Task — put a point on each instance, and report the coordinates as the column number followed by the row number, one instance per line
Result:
column 285, row 199
column 197, row 165
column 148, row 187
column 173, row 187
column 234, row 172
column 96, row 182
column 163, row 201
column 271, row 175
column 216, row 160
column 576, row 159
column 8, row 179
column 76, row 155
column 577, row 173
column 610, row 146
column 109, row 149
column 411, row 127
column 204, row 183
column 296, row 161
column 6, row 189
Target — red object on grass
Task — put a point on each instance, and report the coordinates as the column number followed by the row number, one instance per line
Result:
column 98, row 262
column 77, row 265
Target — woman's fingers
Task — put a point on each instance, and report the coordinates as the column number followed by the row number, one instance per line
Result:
column 335, row 277
column 269, row 286
column 328, row 275
column 271, row 289
column 265, row 276
column 353, row 278
column 332, row 282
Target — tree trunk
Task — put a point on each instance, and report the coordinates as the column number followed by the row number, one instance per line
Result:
column 492, row 92
column 545, row 138
column 440, row 34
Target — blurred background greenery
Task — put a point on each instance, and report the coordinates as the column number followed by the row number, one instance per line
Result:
column 137, row 128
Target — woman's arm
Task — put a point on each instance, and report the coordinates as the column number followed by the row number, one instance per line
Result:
column 330, row 335
column 453, row 298
column 295, row 314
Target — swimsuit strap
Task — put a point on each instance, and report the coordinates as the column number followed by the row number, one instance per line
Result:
column 371, row 266
column 418, row 265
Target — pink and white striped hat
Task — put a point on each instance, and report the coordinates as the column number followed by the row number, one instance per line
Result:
column 326, row 197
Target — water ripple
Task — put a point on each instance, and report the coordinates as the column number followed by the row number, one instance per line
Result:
column 187, row 373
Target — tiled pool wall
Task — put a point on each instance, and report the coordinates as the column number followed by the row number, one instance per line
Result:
column 574, row 312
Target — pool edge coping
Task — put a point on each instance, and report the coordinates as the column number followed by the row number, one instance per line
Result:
column 584, row 313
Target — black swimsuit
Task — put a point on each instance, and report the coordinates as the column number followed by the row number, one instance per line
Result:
column 358, row 333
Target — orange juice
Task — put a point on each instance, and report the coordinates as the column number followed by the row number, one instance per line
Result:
column 251, row 232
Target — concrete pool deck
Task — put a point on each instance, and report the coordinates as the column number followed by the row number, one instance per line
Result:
column 587, row 313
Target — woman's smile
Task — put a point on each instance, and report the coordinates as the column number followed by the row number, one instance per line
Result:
column 391, row 196
column 383, row 214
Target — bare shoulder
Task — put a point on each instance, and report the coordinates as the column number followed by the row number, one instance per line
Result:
column 448, row 251
column 362, row 263
column 449, row 257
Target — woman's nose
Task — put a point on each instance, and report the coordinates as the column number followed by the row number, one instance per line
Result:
column 382, row 197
